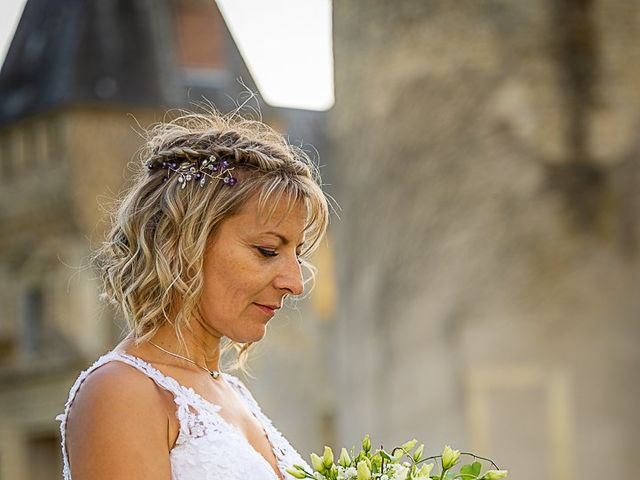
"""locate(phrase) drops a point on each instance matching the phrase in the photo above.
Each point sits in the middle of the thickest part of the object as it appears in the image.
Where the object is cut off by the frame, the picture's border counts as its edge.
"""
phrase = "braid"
(230, 145)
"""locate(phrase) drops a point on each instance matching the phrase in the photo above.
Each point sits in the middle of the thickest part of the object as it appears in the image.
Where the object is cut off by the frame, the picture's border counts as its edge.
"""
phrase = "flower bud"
(366, 443)
(363, 471)
(398, 453)
(317, 463)
(376, 463)
(344, 459)
(367, 460)
(495, 474)
(294, 472)
(424, 471)
(327, 458)
(449, 457)
(417, 455)
(409, 445)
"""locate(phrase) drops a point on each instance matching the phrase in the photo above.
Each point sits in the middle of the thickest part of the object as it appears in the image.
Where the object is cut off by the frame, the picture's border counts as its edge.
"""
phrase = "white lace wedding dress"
(208, 447)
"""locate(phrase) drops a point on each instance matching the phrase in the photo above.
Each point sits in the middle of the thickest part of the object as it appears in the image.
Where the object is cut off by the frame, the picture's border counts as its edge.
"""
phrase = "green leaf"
(471, 469)
(385, 455)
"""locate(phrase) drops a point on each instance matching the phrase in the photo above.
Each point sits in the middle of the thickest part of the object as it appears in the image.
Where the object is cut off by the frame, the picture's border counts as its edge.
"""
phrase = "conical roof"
(78, 50)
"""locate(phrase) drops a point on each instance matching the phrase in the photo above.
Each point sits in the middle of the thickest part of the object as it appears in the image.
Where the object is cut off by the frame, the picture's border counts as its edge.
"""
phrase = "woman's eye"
(267, 252)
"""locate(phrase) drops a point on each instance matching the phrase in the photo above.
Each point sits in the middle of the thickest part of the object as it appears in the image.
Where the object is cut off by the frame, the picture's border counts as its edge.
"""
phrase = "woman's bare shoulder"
(117, 426)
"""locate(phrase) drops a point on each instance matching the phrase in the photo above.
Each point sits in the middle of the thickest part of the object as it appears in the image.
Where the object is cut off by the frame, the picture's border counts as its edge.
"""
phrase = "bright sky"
(286, 44)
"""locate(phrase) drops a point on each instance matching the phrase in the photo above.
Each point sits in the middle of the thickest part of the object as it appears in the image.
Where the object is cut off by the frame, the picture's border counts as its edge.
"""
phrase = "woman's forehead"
(283, 214)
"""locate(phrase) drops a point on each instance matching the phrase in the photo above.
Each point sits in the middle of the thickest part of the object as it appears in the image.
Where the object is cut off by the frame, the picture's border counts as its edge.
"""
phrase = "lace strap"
(163, 381)
(62, 418)
(183, 396)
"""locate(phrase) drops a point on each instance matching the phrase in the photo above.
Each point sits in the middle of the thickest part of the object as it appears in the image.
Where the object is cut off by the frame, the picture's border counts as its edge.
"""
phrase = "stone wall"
(54, 199)
(485, 161)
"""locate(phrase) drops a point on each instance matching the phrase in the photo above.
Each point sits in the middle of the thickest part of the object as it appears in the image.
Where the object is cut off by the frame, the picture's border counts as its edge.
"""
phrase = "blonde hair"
(151, 263)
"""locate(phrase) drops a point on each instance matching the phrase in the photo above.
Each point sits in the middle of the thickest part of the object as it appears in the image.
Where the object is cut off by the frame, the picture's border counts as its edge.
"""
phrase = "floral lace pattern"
(207, 447)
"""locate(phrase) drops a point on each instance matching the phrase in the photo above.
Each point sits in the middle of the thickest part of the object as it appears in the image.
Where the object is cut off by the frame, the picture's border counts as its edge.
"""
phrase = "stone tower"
(487, 166)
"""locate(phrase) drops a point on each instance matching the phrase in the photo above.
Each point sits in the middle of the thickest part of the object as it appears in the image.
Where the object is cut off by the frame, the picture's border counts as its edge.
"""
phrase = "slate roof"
(115, 51)
(80, 50)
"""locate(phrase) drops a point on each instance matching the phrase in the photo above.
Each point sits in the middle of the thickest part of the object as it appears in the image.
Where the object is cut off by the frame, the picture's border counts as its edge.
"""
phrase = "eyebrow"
(283, 239)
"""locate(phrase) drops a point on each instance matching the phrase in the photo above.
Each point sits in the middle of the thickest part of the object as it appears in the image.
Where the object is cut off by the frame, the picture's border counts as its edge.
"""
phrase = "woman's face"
(251, 264)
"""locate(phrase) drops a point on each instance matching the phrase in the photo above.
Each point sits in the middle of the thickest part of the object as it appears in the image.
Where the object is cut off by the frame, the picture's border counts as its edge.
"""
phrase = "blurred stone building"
(77, 81)
(489, 178)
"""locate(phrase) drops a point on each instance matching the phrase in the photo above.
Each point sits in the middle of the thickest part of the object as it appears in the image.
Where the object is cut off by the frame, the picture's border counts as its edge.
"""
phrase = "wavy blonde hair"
(151, 263)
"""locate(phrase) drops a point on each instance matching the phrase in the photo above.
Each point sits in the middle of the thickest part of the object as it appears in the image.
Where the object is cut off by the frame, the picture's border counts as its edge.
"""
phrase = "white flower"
(350, 472)
(395, 471)
(319, 476)
(400, 472)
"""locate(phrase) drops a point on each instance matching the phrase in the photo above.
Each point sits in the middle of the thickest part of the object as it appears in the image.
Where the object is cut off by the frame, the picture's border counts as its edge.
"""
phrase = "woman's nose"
(290, 278)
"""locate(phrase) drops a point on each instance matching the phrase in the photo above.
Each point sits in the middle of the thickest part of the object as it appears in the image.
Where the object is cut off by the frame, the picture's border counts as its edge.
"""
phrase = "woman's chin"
(255, 335)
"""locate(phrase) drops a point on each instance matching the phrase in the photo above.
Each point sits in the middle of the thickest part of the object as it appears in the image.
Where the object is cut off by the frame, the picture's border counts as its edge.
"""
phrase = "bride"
(204, 248)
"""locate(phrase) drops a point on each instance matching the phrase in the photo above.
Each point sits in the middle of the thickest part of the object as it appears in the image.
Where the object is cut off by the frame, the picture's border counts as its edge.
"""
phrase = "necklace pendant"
(215, 374)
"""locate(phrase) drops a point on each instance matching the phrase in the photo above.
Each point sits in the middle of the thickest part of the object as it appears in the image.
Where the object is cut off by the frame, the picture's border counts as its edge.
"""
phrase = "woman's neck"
(201, 347)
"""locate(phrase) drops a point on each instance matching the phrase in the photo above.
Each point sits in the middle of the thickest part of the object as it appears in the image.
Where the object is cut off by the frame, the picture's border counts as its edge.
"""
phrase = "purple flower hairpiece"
(209, 168)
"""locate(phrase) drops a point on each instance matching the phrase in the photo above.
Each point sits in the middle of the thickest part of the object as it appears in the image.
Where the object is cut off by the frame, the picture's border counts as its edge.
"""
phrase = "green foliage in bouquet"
(403, 463)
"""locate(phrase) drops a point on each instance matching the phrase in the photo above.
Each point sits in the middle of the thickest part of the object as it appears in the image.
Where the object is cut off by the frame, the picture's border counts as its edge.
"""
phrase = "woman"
(204, 249)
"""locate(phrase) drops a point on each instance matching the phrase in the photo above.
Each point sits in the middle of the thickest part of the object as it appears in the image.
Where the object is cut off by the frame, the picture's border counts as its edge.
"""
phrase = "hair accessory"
(191, 169)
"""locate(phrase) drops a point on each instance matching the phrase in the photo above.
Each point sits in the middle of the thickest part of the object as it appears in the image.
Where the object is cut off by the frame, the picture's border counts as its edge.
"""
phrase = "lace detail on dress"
(207, 447)
(286, 455)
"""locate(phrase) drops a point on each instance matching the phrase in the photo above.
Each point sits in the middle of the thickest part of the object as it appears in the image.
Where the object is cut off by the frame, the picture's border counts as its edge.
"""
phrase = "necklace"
(215, 374)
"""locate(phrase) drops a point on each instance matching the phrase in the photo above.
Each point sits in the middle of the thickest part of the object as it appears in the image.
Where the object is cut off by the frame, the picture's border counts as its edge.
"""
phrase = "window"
(32, 323)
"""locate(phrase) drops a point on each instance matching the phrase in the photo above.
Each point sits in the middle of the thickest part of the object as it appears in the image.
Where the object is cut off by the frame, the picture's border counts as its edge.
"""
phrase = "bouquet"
(402, 463)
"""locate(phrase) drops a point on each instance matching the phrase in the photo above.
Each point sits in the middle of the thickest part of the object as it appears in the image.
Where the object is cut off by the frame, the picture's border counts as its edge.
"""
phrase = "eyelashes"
(266, 252)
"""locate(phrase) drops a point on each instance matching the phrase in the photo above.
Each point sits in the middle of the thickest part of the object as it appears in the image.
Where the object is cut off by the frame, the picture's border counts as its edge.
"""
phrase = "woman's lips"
(266, 309)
